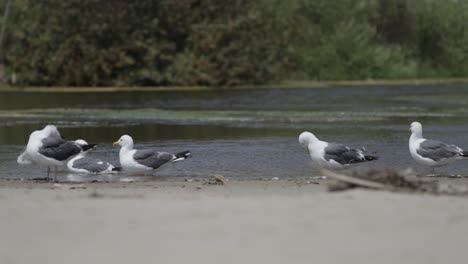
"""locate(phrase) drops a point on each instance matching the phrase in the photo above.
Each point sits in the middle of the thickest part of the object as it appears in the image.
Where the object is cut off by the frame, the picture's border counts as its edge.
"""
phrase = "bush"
(207, 42)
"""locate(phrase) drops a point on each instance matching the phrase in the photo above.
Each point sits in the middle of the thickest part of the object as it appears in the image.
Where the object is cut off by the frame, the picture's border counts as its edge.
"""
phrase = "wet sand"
(277, 221)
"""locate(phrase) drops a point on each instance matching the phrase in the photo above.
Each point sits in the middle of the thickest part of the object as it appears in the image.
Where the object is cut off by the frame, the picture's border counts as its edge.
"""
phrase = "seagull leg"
(48, 172)
(55, 173)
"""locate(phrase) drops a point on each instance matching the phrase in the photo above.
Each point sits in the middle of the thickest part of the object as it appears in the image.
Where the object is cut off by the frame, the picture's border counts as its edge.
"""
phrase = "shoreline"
(281, 85)
(205, 183)
(245, 185)
(274, 221)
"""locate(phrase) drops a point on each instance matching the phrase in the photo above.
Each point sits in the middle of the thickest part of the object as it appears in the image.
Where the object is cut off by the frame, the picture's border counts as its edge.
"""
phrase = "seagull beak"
(116, 143)
(308, 151)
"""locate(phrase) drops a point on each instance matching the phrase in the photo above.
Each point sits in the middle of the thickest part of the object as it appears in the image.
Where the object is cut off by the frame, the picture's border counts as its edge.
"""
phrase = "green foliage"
(222, 43)
(231, 49)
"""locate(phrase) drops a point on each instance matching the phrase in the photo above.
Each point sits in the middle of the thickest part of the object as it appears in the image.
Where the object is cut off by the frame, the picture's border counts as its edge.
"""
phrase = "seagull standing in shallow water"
(140, 161)
(331, 155)
(47, 147)
(431, 152)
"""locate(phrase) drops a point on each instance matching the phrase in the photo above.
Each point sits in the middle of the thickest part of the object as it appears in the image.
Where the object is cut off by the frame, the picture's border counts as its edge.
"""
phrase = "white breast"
(317, 154)
(413, 146)
(128, 163)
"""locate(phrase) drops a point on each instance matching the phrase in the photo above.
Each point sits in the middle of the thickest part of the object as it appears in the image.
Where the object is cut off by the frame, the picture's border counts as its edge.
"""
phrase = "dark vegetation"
(222, 43)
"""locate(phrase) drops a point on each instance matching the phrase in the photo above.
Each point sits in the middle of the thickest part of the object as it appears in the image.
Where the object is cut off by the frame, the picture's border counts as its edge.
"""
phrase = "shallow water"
(241, 133)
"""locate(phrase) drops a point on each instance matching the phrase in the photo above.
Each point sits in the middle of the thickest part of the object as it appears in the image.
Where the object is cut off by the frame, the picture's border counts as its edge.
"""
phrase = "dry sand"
(242, 222)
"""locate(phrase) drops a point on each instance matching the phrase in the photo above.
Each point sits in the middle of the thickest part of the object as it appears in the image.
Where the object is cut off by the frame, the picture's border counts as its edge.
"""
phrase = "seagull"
(331, 155)
(83, 164)
(431, 152)
(47, 147)
(138, 161)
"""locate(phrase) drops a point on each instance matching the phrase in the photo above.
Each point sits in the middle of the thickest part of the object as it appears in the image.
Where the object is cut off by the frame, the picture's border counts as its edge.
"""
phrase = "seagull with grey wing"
(331, 155)
(81, 163)
(431, 152)
(47, 147)
(141, 161)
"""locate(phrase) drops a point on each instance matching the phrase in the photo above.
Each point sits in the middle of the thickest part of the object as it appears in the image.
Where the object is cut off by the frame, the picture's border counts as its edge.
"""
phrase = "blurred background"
(206, 42)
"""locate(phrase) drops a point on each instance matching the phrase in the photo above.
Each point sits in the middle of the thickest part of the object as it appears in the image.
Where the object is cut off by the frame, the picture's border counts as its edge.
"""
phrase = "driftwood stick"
(355, 181)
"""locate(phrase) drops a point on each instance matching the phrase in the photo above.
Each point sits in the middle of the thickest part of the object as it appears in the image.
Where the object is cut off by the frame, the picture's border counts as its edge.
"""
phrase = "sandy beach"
(250, 221)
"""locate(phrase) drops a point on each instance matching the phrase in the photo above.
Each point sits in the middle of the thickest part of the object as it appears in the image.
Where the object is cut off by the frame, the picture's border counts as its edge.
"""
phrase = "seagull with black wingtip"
(47, 147)
(331, 155)
(432, 153)
(141, 161)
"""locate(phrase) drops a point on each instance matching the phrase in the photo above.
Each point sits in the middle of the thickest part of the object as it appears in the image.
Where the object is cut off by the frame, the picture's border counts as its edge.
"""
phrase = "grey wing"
(91, 164)
(437, 150)
(343, 154)
(59, 149)
(152, 159)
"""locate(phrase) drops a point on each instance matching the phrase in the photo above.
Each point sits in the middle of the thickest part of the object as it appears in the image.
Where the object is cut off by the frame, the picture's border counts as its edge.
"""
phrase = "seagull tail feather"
(182, 155)
(117, 169)
(87, 147)
(465, 154)
(371, 158)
